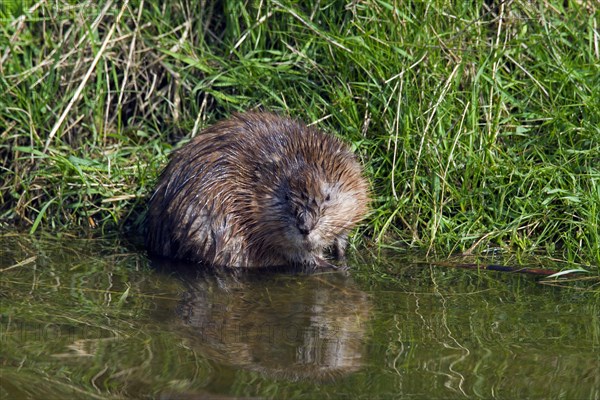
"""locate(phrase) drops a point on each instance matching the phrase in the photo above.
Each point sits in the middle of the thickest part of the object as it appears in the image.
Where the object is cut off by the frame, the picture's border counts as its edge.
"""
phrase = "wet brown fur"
(257, 190)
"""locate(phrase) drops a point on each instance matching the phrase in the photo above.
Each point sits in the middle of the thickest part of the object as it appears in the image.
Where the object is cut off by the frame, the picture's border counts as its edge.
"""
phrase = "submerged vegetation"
(478, 122)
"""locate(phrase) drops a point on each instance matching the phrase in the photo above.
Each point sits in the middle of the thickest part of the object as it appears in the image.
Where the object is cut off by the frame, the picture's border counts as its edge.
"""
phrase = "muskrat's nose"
(303, 230)
(305, 223)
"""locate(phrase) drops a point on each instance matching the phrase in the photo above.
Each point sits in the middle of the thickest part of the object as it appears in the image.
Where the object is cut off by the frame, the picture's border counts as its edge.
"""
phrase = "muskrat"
(257, 190)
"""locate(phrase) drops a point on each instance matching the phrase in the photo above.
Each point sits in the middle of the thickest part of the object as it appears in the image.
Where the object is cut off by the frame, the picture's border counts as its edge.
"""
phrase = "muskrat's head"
(310, 209)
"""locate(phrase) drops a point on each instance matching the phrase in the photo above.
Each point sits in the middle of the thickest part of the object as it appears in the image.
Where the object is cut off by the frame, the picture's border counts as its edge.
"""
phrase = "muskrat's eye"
(328, 197)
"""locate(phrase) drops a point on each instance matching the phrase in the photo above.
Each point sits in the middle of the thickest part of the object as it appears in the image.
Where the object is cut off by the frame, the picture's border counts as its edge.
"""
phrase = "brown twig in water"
(497, 267)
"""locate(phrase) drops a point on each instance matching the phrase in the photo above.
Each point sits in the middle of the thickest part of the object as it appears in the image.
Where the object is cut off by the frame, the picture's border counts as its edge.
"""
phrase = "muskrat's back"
(257, 190)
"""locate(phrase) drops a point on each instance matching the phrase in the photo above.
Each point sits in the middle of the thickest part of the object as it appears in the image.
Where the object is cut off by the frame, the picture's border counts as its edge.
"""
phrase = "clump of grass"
(478, 124)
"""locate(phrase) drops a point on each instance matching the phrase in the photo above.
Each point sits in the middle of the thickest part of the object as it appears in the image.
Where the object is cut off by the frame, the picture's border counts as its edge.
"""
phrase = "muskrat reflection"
(284, 326)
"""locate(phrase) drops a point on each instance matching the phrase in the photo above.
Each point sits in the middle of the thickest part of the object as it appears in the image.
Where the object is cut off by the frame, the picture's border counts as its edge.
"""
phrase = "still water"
(94, 319)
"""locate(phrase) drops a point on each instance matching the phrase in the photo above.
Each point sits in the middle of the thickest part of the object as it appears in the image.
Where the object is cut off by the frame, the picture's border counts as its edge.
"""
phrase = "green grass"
(479, 127)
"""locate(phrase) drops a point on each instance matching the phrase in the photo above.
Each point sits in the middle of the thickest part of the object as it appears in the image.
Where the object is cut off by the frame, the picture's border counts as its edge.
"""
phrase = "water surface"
(96, 319)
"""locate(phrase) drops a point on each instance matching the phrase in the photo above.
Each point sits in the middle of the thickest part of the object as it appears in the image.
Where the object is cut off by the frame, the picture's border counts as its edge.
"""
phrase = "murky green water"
(94, 319)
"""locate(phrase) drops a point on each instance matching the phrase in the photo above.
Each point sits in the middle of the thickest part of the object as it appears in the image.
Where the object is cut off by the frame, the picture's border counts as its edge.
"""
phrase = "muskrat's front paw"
(322, 263)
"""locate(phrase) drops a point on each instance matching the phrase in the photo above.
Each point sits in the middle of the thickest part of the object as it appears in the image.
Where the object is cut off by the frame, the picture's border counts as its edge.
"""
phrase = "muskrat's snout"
(306, 222)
